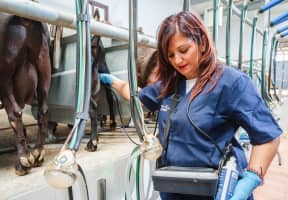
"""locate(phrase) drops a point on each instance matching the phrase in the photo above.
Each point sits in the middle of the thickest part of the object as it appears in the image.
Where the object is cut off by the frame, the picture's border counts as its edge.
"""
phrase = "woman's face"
(184, 55)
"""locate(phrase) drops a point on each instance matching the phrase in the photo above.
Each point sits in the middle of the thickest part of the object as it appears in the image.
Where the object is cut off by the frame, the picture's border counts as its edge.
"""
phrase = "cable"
(138, 178)
(135, 106)
(201, 131)
(70, 193)
(155, 128)
(120, 115)
(70, 189)
(69, 137)
(135, 153)
(84, 180)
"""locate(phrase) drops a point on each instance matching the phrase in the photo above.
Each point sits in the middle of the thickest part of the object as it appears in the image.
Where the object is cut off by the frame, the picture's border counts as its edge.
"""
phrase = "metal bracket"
(83, 17)
(101, 189)
(82, 115)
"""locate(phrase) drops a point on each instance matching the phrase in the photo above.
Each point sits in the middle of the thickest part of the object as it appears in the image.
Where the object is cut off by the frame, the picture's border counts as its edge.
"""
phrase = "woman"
(215, 98)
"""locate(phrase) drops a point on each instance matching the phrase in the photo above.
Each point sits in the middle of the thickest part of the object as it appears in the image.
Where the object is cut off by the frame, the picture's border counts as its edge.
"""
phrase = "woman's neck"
(190, 84)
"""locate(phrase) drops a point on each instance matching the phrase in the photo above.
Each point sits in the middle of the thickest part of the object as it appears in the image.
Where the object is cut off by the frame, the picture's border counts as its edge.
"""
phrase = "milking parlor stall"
(79, 171)
(93, 136)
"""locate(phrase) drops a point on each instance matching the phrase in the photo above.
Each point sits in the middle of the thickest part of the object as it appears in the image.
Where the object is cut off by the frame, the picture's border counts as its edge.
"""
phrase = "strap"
(175, 101)
(225, 157)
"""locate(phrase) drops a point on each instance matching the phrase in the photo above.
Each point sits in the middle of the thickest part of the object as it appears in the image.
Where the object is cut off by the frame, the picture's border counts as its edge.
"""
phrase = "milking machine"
(150, 147)
(64, 170)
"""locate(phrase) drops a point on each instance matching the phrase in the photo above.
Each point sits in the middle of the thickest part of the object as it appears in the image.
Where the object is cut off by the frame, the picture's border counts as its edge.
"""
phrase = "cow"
(25, 75)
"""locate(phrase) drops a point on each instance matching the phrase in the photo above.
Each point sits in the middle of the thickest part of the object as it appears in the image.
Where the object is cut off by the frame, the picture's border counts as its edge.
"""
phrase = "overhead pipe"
(135, 105)
(252, 47)
(282, 35)
(228, 33)
(274, 69)
(282, 74)
(273, 54)
(267, 88)
(264, 42)
(40, 12)
(216, 5)
(186, 5)
(280, 19)
(237, 12)
(269, 5)
(242, 24)
(273, 42)
(263, 67)
(282, 29)
(83, 71)
(150, 147)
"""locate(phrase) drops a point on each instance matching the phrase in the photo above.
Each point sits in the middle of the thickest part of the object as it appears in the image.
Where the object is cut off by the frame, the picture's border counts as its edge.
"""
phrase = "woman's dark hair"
(192, 27)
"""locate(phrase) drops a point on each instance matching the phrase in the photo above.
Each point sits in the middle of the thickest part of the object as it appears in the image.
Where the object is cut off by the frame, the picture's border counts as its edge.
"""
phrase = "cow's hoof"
(38, 156)
(21, 170)
(91, 147)
(113, 126)
(102, 124)
(50, 138)
(27, 160)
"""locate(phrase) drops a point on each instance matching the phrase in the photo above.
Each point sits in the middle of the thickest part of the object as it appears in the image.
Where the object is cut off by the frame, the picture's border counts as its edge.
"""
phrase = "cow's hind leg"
(110, 101)
(25, 160)
(92, 143)
(43, 67)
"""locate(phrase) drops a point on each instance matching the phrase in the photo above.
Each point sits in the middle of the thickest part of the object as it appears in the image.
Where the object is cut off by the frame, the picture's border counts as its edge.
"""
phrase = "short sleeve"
(251, 113)
(149, 96)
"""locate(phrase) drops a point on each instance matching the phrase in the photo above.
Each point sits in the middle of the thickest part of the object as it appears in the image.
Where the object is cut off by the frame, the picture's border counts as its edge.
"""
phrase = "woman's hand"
(106, 78)
(119, 85)
(246, 185)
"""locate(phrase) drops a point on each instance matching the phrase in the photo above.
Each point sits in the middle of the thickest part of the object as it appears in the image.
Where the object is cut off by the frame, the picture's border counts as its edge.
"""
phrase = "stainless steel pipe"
(39, 12)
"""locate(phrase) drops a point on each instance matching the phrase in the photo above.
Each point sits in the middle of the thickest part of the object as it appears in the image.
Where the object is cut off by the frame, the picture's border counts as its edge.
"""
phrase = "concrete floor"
(117, 144)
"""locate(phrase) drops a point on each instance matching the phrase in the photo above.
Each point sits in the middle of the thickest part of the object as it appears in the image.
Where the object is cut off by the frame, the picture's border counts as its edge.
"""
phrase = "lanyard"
(174, 103)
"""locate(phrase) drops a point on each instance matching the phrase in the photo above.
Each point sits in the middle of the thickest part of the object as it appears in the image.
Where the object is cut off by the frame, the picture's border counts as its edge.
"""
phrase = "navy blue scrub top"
(232, 103)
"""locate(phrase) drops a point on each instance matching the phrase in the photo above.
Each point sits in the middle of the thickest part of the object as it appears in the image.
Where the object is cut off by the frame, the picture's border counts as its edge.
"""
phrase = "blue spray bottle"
(228, 179)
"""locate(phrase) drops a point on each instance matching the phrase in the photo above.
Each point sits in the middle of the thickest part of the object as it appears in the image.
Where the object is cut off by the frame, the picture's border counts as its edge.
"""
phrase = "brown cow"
(25, 75)
(146, 66)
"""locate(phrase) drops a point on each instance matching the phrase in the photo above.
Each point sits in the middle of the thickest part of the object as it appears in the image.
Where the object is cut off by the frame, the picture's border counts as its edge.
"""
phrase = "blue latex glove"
(106, 78)
(245, 186)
